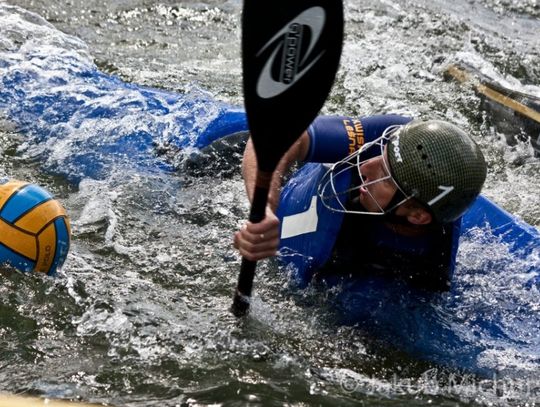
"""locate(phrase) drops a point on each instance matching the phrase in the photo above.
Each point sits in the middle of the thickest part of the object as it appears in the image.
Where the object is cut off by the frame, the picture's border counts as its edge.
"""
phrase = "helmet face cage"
(336, 200)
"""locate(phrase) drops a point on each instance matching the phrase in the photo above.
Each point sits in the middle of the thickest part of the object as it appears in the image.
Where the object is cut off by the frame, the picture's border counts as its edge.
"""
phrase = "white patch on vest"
(300, 223)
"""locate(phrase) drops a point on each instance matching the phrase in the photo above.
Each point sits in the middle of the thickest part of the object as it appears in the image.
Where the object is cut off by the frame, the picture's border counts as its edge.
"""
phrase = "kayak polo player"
(419, 177)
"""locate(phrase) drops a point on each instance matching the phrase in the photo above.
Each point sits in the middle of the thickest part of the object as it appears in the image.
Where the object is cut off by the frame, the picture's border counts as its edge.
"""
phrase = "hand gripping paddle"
(290, 56)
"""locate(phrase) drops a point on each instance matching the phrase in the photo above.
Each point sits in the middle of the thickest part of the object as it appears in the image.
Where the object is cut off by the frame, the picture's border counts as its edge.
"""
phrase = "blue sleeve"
(335, 137)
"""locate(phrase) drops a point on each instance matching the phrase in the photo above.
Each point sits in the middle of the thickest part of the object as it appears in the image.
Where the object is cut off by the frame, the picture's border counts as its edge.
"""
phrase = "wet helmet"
(438, 164)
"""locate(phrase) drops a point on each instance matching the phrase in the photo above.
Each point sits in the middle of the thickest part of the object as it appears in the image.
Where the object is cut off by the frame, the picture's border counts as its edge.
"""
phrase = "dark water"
(139, 315)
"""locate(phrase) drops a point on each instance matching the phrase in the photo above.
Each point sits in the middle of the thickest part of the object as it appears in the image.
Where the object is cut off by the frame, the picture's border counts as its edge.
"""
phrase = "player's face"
(378, 187)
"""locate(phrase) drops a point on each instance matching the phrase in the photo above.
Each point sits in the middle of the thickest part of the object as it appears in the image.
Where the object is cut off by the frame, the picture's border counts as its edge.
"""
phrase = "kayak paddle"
(290, 56)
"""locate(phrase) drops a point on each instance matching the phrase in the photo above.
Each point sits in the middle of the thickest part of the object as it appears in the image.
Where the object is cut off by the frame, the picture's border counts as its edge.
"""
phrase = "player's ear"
(419, 216)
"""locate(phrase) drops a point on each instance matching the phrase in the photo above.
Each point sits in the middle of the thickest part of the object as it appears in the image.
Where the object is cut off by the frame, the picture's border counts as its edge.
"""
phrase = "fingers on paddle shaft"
(242, 295)
(290, 56)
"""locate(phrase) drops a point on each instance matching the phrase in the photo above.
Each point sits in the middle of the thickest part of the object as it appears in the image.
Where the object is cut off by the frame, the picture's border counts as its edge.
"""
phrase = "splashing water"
(139, 315)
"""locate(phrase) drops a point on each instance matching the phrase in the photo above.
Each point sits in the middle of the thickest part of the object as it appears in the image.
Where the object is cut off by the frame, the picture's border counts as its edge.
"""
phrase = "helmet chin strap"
(390, 214)
(397, 200)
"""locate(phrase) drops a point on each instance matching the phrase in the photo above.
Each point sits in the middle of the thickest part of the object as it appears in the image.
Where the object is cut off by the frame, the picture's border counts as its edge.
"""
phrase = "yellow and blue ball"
(34, 228)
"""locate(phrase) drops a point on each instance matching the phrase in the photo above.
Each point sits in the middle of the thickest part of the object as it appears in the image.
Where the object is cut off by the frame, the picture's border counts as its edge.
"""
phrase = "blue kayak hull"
(487, 322)
(80, 122)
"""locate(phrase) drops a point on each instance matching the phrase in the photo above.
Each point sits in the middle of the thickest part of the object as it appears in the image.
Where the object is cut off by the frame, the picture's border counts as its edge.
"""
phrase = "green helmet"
(438, 164)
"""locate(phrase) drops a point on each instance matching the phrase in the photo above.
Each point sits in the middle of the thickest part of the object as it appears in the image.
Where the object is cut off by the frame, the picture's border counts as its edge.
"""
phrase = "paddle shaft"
(247, 270)
(490, 91)
(290, 56)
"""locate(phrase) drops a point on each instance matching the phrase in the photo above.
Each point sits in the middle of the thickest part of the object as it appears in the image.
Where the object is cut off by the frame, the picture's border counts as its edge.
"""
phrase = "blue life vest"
(308, 229)
(309, 232)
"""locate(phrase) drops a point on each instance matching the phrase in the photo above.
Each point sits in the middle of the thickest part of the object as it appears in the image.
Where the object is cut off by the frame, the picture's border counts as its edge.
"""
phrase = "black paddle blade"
(290, 56)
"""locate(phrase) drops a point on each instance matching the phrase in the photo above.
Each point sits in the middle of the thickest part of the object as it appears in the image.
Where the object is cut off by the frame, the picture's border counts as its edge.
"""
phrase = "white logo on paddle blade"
(291, 69)
(445, 191)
